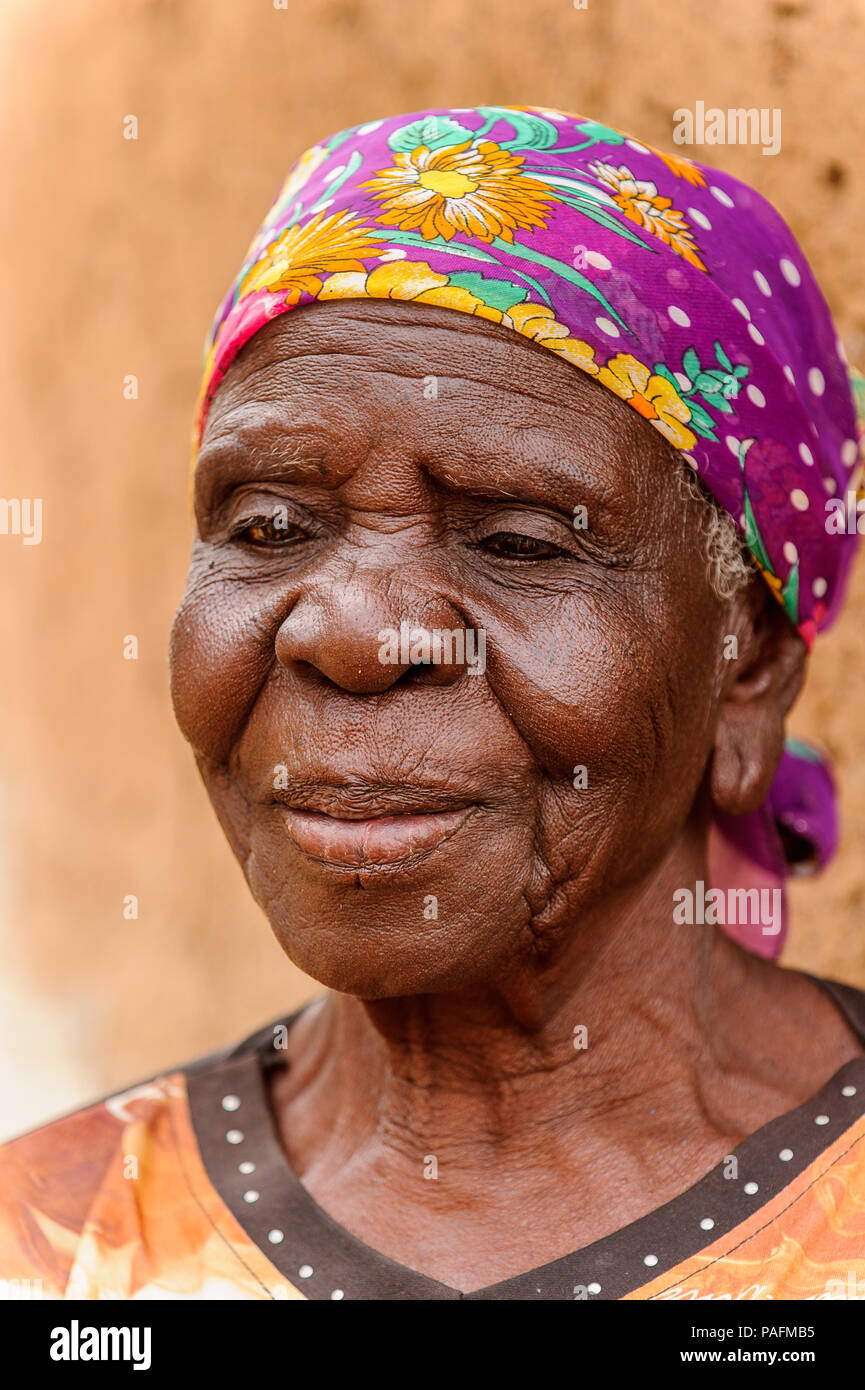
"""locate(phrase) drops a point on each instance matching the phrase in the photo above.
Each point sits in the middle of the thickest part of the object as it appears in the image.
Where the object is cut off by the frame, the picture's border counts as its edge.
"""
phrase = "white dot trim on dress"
(650, 1260)
(785, 1155)
(678, 316)
(848, 1090)
(594, 1287)
(805, 454)
(231, 1102)
(707, 1223)
(723, 198)
(790, 272)
(235, 1136)
(700, 218)
(276, 1237)
(821, 1119)
(306, 1271)
(251, 1195)
(751, 1188)
(755, 333)
(608, 327)
(337, 1294)
(246, 1167)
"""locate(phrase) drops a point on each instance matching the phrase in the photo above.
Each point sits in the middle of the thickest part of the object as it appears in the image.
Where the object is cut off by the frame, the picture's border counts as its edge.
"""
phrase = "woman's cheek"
(219, 658)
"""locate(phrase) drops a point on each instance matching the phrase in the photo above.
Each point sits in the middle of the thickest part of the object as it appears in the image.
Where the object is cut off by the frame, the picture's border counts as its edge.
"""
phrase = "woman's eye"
(266, 532)
(513, 546)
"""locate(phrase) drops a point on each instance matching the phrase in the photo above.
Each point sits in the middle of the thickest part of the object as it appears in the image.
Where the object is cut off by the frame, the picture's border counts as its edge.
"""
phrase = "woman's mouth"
(384, 839)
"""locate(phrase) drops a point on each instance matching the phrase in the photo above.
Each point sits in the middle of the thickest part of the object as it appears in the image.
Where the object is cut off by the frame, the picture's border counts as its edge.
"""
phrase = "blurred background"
(115, 253)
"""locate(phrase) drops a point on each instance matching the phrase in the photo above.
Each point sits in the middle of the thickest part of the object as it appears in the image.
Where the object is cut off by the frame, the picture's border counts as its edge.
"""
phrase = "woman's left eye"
(511, 545)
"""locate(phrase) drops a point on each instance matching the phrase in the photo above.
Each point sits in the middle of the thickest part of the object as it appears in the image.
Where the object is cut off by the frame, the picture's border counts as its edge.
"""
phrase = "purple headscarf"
(677, 287)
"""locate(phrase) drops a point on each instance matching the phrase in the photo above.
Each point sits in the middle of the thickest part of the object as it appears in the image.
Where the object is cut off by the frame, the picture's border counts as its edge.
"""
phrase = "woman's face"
(368, 465)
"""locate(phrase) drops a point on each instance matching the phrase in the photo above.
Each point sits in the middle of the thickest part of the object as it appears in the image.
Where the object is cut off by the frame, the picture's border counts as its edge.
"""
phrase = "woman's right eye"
(267, 532)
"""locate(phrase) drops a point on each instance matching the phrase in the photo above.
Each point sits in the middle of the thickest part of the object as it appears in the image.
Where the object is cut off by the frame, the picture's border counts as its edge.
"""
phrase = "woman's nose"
(365, 641)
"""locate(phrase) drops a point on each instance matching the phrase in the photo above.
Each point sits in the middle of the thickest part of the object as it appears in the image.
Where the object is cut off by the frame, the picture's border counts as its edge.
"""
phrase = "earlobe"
(760, 691)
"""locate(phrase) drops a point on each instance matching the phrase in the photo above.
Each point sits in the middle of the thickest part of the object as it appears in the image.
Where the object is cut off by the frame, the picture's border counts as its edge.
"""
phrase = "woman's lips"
(384, 839)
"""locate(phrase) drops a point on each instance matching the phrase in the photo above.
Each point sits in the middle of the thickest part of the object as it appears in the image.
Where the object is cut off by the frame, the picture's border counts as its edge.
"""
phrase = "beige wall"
(114, 256)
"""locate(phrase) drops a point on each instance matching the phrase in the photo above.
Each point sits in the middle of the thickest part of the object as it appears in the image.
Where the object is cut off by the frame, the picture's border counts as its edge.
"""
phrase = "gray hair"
(729, 563)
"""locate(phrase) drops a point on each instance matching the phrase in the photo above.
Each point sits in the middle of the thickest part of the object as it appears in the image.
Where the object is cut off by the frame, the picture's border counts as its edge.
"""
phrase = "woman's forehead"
(316, 396)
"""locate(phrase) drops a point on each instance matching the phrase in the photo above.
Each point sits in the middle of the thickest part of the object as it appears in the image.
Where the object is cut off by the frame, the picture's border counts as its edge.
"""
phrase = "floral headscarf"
(675, 286)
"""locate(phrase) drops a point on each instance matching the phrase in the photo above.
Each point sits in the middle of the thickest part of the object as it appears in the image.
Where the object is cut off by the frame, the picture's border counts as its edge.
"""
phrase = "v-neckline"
(242, 1153)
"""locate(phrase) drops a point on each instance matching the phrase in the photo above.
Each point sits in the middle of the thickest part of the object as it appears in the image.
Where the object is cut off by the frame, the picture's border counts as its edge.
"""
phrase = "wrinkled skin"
(461, 968)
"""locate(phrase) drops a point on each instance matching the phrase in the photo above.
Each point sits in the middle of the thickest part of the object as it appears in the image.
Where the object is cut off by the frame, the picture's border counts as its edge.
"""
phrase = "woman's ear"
(764, 671)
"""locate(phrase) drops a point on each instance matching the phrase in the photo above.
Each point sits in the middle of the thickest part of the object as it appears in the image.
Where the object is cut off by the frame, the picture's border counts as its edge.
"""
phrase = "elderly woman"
(512, 540)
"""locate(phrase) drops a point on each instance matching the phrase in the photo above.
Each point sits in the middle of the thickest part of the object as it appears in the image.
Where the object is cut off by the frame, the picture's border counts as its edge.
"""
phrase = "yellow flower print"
(474, 188)
(680, 166)
(303, 254)
(640, 201)
(656, 399)
(407, 280)
(538, 322)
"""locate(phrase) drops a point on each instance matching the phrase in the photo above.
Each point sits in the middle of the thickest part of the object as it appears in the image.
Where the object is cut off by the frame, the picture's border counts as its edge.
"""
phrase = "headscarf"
(674, 285)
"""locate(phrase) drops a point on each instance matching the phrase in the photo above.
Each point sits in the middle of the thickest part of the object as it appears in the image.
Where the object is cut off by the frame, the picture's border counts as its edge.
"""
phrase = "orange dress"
(178, 1188)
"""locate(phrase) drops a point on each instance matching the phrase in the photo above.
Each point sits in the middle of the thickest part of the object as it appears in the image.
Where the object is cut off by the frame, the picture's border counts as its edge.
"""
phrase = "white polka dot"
(743, 308)
(722, 197)
(650, 1260)
(700, 218)
(848, 1090)
(755, 395)
(732, 444)
(684, 381)
(819, 587)
(594, 1287)
(635, 145)
(251, 1195)
(246, 1168)
(396, 253)
(799, 499)
(231, 1102)
(707, 1223)
(597, 260)
(368, 128)
(275, 1237)
(762, 284)
(816, 381)
(678, 315)
(751, 1188)
(306, 1271)
(791, 554)
(333, 173)
(788, 372)
(755, 333)
(830, 485)
(821, 1119)
(849, 452)
(790, 272)
(235, 1136)
(337, 1294)
(607, 327)
(805, 454)
(785, 1155)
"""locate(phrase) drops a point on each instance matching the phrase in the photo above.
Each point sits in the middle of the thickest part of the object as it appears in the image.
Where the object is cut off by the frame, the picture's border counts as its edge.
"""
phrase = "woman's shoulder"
(90, 1181)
